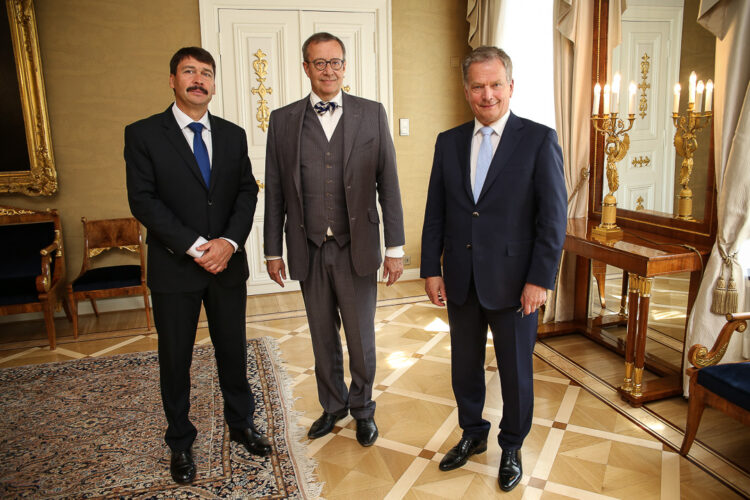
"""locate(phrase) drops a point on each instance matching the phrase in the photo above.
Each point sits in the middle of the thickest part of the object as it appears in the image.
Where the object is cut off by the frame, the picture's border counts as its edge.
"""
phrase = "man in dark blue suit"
(191, 184)
(496, 214)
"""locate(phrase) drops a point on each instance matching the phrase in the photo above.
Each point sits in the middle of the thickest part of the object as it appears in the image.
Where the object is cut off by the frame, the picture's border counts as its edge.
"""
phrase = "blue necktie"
(200, 152)
(484, 158)
(322, 107)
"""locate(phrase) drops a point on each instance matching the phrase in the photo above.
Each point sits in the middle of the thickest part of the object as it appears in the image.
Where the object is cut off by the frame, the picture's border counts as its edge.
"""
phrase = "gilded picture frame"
(40, 176)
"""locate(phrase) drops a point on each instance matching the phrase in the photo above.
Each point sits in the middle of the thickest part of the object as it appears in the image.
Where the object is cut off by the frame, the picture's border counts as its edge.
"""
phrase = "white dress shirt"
(183, 121)
(476, 140)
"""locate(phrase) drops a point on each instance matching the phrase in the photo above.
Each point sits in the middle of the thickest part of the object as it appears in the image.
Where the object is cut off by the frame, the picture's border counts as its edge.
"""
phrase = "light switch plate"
(403, 126)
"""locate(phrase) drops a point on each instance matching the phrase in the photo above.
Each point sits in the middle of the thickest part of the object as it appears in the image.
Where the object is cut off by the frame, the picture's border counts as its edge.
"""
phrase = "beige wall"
(106, 65)
(429, 40)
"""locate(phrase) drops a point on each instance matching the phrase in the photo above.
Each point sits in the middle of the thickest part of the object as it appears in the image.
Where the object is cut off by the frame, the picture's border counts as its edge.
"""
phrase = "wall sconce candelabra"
(616, 145)
(685, 141)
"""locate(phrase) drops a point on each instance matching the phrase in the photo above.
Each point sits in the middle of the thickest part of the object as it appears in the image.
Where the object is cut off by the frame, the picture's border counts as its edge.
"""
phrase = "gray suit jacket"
(369, 171)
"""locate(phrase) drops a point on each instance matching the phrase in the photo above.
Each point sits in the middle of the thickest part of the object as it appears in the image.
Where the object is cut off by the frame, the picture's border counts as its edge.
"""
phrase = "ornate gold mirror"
(28, 165)
(661, 44)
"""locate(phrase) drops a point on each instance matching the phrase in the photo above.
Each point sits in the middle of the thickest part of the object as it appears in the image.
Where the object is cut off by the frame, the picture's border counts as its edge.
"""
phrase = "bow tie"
(322, 107)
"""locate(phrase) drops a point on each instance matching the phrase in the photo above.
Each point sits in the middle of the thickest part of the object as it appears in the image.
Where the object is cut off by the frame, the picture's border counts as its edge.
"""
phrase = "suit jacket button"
(475, 214)
(210, 202)
(468, 246)
(302, 226)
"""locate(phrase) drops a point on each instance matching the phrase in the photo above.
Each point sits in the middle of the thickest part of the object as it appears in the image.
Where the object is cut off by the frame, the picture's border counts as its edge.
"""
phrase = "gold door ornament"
(643, 86)
(260, 65)
(641, 161)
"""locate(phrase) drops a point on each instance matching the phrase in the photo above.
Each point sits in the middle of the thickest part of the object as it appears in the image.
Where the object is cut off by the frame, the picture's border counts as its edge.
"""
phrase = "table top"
(640, 252)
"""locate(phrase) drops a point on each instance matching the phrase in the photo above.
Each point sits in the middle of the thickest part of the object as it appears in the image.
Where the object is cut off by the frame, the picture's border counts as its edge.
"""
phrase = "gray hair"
(487, 53)
(322, 37)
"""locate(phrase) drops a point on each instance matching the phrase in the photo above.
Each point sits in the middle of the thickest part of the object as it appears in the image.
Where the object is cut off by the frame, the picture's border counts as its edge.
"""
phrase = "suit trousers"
(513, 337)
(333, 293)
(176, 319)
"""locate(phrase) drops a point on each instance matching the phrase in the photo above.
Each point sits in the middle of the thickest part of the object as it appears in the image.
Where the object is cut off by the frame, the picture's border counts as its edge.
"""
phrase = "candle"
(597, 97)
(616, 93)
(709, 94)
(631, 98)
(699, 98)
(691, 88)
(606, 99)
(676, 107)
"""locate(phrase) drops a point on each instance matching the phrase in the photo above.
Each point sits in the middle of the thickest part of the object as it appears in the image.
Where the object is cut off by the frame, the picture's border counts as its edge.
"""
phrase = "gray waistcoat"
(322, 175)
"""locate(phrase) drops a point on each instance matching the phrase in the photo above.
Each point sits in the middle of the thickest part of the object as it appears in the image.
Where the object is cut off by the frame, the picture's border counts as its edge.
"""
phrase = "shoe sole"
(454, 467)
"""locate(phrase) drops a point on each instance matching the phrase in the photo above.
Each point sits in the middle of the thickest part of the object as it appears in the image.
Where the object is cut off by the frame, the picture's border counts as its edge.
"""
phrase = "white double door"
(260, 69)
(649, 55)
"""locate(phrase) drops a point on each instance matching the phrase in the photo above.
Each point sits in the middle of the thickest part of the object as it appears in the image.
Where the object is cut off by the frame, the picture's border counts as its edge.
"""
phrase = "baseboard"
(128, 303)
(84, 307)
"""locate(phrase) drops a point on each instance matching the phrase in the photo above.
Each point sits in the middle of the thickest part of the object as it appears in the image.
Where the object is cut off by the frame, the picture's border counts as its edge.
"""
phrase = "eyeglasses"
(320, 64)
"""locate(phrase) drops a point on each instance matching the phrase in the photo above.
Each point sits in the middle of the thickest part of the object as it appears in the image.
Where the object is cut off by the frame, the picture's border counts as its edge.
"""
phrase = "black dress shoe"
(182, 466)
(459, 454)
(255, 443)
(323, 425)
(367, 431)
(510, 469)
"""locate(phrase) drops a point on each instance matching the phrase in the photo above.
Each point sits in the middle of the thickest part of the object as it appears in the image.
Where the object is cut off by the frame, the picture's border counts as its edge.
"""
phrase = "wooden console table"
(641, 256)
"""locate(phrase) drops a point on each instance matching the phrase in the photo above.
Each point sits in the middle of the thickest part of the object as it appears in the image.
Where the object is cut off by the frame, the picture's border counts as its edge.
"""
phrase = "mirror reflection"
(661, 45)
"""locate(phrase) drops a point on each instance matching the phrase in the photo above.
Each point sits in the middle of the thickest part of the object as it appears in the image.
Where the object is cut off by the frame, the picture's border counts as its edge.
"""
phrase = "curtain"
(729, 20)
(572, 45)
(484, 18)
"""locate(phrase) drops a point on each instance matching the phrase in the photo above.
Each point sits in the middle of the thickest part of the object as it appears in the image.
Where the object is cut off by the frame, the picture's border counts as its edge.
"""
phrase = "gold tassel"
(720, 295)
(732, 298)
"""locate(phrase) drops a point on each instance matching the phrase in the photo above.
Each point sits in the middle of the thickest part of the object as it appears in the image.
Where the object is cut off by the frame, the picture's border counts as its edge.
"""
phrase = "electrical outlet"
(407, 260)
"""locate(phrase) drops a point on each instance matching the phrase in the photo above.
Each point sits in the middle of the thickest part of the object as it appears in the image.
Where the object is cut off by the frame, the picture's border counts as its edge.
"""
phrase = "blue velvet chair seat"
(730, 381)
(108, 277)
(18, 290)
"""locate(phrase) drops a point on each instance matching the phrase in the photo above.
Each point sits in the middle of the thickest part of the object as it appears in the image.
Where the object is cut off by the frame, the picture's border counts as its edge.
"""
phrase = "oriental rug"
(93, 428)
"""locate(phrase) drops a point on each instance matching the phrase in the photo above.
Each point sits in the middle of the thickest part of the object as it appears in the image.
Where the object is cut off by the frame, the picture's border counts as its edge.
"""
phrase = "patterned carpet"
(94, 427)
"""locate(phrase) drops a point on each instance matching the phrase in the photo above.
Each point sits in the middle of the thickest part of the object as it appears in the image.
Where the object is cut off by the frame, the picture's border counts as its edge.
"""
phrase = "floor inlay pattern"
(584, 442)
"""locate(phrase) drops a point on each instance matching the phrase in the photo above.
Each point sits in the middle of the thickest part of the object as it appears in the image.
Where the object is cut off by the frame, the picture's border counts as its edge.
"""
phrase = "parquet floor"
(579, 445)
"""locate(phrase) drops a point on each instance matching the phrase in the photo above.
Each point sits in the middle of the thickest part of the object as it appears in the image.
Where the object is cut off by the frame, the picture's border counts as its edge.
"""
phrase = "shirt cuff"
(273, 257)
(395, 252)
(193, 252)
(231, 242)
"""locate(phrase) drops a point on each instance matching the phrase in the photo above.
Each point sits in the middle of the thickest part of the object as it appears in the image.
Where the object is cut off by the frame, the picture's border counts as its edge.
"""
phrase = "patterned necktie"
(322, 107)
(200, 152)
(484, 158)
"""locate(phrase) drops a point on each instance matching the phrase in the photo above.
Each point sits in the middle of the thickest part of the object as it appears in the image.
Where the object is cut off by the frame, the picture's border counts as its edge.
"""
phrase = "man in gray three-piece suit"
(328, 157)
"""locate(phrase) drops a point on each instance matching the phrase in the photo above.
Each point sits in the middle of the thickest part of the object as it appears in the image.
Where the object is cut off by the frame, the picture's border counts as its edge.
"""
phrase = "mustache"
(197, 87)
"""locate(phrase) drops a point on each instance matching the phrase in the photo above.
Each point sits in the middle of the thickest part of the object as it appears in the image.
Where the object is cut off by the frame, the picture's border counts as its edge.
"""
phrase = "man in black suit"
(496, 214)
(191, 185)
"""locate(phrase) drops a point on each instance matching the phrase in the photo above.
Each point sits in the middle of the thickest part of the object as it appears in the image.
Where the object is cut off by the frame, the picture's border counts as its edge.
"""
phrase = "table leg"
(644, 297)
(624, 293)
(633, 278)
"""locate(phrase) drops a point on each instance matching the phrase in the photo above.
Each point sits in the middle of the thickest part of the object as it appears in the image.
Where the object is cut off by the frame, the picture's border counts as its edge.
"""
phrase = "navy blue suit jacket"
(514, 234)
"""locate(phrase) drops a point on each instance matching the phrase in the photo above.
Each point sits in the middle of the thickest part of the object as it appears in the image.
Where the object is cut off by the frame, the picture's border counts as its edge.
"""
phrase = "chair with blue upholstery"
(725, 387)
(109, 281)
(32, 267)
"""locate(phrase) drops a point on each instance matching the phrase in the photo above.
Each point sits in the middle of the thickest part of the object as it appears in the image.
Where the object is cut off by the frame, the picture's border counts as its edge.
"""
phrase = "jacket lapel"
(351, 121)
(217, 151)
(177, 138)
(508, 142)
(463, 149)
(293, 133)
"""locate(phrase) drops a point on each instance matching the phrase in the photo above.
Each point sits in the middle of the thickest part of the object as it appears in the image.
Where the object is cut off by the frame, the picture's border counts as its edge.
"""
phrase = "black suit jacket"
(168, 196)
(369, 175)
(514, 234)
